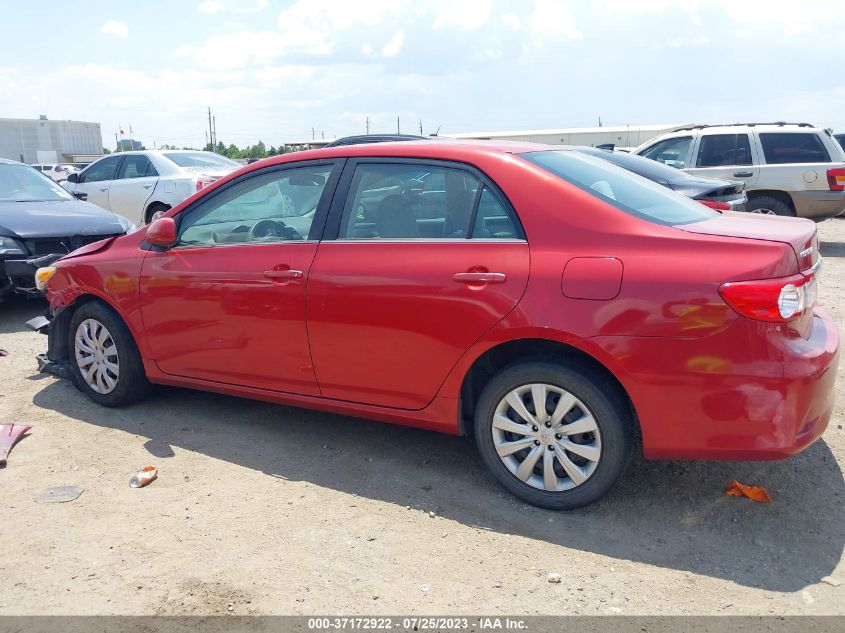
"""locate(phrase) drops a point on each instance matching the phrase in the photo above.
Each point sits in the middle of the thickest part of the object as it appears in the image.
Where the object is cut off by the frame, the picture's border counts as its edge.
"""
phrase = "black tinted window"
(786, 147)
(717, 150)
(622, 189)
(102, 170)
(135, 167)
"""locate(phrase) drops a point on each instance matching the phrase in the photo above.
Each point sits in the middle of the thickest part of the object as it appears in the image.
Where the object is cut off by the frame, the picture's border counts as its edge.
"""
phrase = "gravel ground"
(263, 509)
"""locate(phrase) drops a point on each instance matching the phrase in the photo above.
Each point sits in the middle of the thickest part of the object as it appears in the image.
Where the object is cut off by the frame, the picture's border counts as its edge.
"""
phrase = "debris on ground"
(554, 578)
(3, 353)
(59, 494)
(830, 580)
(143, 477)
(757, 493)
(9, 435)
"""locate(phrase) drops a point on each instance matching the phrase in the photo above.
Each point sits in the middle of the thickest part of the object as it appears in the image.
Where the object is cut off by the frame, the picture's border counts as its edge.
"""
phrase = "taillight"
(715, 204)
(774, 300)
(836, 179)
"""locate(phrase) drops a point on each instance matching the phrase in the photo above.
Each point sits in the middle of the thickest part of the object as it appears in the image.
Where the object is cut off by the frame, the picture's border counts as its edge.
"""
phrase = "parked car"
(144, 184)
(56, 172)
(789, 168)
(40, 222)
(841, 139)
(723, 195)
(544, 301)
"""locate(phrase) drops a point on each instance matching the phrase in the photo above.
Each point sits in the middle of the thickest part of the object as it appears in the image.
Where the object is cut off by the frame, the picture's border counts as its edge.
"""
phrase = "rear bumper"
(818, 205)
(752, 395)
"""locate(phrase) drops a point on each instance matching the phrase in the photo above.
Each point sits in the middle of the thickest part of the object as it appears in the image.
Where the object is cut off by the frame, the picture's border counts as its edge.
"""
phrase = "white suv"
(788, 168)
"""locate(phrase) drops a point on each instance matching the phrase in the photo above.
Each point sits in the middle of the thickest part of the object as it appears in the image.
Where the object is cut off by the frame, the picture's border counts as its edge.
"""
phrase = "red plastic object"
(9, 435)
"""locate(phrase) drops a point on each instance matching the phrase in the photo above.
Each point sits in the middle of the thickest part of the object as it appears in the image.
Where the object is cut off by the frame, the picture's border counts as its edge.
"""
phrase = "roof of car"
(779, 126)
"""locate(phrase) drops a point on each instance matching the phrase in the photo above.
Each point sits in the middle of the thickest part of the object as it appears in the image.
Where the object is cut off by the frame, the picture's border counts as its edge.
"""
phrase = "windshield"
(645, 167)
(201, 159)
(21, 183)
(623, 189)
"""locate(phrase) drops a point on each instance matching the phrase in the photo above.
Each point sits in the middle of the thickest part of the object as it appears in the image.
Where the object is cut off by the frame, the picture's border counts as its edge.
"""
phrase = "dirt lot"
(262, 509)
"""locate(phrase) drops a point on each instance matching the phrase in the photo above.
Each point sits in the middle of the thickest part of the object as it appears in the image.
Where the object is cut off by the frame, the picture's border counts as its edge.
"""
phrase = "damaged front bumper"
(55, 361)
(18, 275)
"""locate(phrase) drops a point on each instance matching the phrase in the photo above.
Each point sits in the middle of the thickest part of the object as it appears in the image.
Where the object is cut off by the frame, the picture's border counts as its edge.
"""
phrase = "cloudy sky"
(273, 69)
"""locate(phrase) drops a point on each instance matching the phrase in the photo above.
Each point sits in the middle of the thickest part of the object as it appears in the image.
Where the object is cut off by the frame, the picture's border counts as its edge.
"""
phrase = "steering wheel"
(272, 228)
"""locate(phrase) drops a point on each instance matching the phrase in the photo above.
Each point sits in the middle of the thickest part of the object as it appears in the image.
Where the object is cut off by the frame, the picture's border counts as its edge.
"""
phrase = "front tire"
(565, 454)
(104, 359)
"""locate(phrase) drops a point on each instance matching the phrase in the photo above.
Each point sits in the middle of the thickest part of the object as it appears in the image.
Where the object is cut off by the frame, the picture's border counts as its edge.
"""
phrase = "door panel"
(726, 156)
(97, 180)
(212, 313)
(387, 320)
(135, 183)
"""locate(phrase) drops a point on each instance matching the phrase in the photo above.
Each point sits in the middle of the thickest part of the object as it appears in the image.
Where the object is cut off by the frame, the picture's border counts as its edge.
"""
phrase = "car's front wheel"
(554, 434)
(104, 359)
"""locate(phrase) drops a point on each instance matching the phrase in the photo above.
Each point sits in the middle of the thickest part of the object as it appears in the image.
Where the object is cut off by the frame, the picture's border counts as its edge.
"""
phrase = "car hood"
(56, 218)
(698, 187)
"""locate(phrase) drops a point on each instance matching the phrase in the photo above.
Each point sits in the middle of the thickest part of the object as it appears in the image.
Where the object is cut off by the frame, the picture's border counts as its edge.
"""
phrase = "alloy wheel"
(96, 356)
(546, 437)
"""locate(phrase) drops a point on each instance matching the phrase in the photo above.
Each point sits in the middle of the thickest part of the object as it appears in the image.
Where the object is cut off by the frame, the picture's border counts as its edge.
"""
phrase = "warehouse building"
(618, 135)
(45, 141)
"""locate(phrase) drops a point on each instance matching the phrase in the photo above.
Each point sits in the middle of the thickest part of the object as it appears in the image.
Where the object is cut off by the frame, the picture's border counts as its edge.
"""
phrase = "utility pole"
(313, 134)
(397, 126)
(323, 135)
(116, 144)
(368, 125)
(599, 121)
(421, 132)
(215, 131)
(210, 133)
(206, 138)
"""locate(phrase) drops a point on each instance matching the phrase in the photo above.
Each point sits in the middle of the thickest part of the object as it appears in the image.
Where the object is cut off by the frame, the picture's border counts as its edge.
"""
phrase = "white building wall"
(23, 139)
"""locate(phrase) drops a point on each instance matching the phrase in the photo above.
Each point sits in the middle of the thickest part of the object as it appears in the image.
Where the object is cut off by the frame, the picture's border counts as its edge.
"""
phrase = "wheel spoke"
(86, 335)
(84, 361)
(527, 466)
(504, 423)
(102, 336)
(575, 473)
(516, 403)
(539, 393)
(110, 366)
(509, 448)
(584, 424)
(564, 406)
(584, 450)
(109, 381)
(83, 345)
(101, 385)
(110, 351)
(549, 476)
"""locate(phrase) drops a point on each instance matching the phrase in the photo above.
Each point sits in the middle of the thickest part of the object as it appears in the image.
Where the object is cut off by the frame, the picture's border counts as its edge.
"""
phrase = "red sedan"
(546, 302)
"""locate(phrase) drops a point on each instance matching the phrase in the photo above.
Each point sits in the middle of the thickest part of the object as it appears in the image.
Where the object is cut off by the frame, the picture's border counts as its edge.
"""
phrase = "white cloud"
(553, 18)
(392, 48)
(511, 20)
(231, 6)
(239, 49)
(115, 28)
(463, 14)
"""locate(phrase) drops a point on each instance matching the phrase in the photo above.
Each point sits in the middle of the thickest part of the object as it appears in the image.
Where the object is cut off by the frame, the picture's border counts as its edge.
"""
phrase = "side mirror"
(161, 233)
(74, 177)
(80, 195)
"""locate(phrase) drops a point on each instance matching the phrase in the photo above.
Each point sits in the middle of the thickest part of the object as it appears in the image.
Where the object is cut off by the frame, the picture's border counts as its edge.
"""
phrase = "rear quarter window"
(620, 188)
(780, 148)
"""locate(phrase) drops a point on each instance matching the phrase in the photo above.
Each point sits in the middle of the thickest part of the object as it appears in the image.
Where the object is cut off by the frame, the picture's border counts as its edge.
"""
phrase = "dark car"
(40, 222)
(723, 195)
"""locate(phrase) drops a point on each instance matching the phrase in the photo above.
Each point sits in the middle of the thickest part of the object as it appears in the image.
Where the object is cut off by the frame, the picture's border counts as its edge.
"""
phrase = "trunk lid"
(798, 233)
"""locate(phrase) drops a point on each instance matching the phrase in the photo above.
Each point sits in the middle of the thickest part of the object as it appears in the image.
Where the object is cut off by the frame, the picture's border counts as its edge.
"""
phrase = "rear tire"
(155, 211)
(554, 461)
(104, 359)
(768, 205)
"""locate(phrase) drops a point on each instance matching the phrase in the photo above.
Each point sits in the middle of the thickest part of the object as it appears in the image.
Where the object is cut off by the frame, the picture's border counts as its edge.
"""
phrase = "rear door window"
(136, 166)
(672, 151)
(781, 148)
(718, 150)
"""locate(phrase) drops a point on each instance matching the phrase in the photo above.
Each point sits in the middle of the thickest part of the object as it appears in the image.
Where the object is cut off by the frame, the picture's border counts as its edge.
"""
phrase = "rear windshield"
(624, 190)
(793, 147)
(201, 159)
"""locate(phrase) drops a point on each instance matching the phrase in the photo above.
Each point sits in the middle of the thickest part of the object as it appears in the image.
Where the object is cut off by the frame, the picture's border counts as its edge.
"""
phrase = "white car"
(143, 185)
(787, 168)
(56, 172)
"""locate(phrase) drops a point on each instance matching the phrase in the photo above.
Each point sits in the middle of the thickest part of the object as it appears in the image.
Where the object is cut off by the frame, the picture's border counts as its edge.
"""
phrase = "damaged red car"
(554, 307)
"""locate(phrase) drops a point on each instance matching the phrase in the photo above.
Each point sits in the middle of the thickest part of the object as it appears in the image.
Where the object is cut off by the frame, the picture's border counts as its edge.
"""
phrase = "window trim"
(335, 217)
(317, 224)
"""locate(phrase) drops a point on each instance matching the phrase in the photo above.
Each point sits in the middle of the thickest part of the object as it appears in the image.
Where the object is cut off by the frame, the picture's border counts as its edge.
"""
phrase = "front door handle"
(283, 274)
(480, 278)
(104, 188)
(147, 186)
(743, 174)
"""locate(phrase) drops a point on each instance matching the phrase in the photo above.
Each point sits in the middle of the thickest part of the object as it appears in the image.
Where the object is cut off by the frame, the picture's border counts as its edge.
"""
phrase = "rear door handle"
(743, 174)
(480, 278)
(283, 274)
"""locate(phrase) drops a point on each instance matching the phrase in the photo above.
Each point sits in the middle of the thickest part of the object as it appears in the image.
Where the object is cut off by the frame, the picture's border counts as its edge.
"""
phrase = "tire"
(595, 395)
(153, 209)
(95, 328)
(770, 206)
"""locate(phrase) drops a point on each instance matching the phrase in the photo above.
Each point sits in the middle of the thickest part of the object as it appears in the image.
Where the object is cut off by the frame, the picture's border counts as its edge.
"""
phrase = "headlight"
(43, 275)
(8, 246)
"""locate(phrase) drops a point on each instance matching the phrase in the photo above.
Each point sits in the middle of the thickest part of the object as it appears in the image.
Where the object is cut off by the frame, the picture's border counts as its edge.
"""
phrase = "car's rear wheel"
(155, 211)
(554, 434)
(767, 205)
(104, 359)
